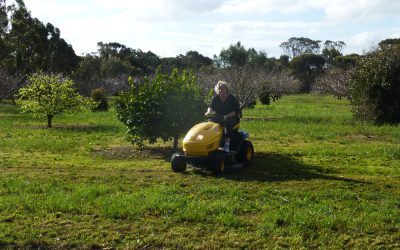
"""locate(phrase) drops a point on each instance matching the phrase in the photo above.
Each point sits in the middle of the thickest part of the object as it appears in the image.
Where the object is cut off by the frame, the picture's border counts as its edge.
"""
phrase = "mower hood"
(202, 139)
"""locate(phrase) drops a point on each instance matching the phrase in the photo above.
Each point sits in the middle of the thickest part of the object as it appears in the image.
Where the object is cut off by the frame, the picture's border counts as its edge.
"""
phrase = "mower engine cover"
(202, 139)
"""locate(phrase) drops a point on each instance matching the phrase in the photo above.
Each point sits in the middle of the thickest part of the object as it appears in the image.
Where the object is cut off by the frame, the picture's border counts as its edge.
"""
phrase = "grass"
(318, 180)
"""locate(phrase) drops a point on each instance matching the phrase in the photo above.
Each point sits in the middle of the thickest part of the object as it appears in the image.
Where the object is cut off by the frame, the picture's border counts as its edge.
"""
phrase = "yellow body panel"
(202, 139)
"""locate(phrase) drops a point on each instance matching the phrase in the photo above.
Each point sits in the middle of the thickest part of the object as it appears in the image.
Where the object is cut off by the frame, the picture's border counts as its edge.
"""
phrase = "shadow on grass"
(278, 168)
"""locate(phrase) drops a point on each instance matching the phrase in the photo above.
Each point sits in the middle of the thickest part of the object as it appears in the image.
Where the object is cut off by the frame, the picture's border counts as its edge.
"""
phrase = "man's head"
(221, 86)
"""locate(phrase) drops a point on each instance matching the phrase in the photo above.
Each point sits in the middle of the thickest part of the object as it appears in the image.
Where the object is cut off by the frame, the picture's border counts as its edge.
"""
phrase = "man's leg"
(229, 124)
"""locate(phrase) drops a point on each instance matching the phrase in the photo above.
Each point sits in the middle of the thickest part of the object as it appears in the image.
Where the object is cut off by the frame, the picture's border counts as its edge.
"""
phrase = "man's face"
(223, 92)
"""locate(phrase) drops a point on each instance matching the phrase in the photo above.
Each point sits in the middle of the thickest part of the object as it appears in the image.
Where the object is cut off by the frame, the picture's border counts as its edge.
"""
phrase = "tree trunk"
(176, 138)
(49, 117)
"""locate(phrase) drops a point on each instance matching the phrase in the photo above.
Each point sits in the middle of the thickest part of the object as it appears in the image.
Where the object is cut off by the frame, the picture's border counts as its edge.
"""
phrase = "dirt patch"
(129, 152)
(363, 137)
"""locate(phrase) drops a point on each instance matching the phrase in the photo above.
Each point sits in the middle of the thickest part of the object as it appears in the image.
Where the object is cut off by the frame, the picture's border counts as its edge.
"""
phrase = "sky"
(172, 27)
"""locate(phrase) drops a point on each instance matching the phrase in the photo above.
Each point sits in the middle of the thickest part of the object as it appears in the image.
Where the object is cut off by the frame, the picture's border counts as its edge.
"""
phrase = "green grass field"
(318, 180)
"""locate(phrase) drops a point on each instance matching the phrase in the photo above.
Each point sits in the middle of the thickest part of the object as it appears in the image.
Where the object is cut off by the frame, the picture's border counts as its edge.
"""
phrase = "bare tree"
(335, 81)
(245, 83)
(9, 85)
(111, 85)
(281, 83)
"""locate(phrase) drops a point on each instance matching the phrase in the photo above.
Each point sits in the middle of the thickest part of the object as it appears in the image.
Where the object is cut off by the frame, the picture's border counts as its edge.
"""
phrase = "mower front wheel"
(178, 164)
(218, 164)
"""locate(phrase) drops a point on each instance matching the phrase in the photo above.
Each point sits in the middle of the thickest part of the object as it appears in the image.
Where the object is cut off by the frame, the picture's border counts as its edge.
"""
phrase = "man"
(226, 105)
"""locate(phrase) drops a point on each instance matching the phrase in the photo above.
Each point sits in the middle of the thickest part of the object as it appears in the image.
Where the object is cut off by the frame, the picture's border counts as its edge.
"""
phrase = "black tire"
(246, 153)
(218, 164)
(178, 164)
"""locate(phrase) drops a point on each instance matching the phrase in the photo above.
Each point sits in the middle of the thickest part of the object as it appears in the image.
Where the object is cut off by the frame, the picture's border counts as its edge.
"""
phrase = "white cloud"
(262, 27)
(362, 42)
(260, 6)
(360, 10)
(171, 27)
(338, 11)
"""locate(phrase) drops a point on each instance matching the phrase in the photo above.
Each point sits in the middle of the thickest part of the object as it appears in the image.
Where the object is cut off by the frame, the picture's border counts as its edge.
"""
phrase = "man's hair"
(221, 84)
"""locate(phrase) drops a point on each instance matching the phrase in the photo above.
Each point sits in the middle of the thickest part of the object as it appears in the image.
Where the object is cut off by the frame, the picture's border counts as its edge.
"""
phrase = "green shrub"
(375, 86)
(99, 95)
(164, 106)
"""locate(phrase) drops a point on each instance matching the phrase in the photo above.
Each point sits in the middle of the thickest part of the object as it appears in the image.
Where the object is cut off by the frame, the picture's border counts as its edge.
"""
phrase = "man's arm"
(231, 114)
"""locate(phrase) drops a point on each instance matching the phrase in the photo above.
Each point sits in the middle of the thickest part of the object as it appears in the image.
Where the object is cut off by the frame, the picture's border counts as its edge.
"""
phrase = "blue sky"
(172, 27)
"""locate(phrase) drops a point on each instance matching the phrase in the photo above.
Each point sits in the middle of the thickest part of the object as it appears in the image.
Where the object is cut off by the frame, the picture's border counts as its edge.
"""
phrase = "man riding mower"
(217, 143)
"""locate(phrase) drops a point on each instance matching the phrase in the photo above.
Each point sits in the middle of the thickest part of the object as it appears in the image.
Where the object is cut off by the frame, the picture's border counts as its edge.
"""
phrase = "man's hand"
(211, 113)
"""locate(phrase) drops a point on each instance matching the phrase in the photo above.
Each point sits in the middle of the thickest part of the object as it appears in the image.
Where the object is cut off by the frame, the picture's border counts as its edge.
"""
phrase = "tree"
(194, 60)
(88, 73)
(297, 46)
(336, 45)
(163, 107)
(346, 62)
(3, 31)
(245, 83)
(235, 56)
(113, 66)
(99, 96)
(168, 64)
(375, 86)
(331, 50)
(284, 61)
(113, 49)
(334, 81)
(49, 95)
(147, 61)
(306, 68)
(281, 83)
(28, 39)
(247, 72)
(9, 85)
(32, 46)
(389, 41)
(3, 18)
(61, 57)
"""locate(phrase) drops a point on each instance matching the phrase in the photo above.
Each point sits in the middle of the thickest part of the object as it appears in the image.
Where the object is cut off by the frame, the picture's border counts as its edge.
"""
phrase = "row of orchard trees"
(166, 104)
(28, 45)
(371, 81)
(251, 74)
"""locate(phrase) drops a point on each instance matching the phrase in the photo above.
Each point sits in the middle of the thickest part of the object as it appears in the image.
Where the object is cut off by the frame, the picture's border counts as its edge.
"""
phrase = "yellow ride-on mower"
(203, 147)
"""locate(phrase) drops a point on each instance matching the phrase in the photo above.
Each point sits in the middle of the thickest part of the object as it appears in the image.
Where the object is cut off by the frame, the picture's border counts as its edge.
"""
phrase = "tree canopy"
(297, 46)
(50, 94)
(163, 106)
(29, 45)
(306, 68)
(375, 86)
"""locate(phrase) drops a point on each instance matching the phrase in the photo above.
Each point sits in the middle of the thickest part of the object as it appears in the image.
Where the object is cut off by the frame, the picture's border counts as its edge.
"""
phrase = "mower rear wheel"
(246, 153)
(178, 164)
